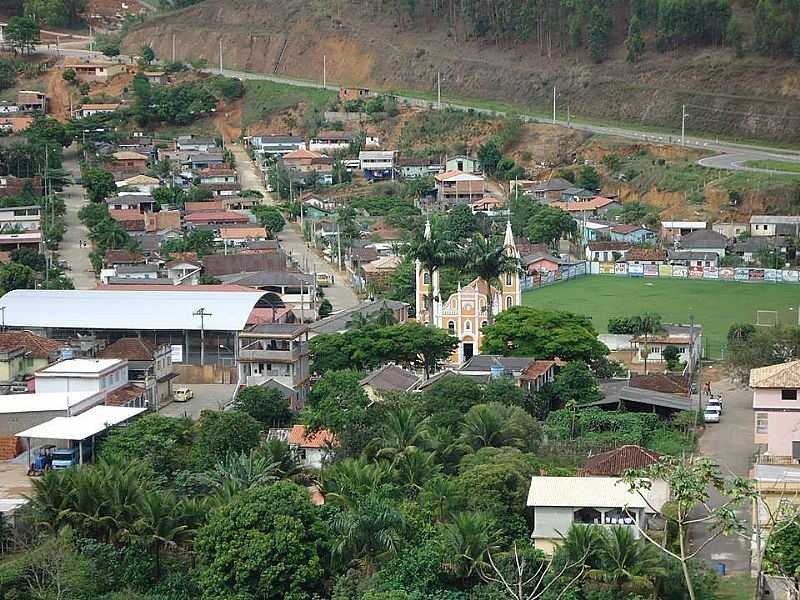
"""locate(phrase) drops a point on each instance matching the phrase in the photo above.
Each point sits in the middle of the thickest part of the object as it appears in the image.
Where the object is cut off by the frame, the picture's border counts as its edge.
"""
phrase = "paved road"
(730, 444)
(70, 250)
(736, 162)
(207, 396)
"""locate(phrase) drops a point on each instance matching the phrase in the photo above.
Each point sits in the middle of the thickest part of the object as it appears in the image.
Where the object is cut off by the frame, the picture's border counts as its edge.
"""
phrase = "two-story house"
(127, 163)
(771, 225)
(464, 164)
(603, 251)
(328, 141)
(274, 145)
(23, 353)
(26, 218)
(454, 188)
(276, 355)
(777, 408)
(673, 231)
(149, 367)
(377, 164)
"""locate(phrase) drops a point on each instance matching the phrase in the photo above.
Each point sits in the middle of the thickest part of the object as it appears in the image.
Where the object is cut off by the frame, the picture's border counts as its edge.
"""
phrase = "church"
(464, 313)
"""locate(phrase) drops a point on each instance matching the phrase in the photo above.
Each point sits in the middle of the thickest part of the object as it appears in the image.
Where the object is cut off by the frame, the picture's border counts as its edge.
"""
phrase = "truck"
(64, 458)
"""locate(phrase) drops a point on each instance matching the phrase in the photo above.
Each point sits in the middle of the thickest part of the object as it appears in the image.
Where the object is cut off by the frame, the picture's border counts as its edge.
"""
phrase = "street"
(730, 444)
(70, 250)
(339, 294)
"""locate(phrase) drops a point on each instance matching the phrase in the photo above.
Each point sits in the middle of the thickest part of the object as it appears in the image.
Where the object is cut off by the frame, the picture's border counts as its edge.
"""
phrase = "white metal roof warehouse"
(128, 309)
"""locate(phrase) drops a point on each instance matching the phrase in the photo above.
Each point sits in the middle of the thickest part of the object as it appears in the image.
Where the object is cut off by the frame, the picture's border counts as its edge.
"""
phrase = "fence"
(532, 282)
(744, 274)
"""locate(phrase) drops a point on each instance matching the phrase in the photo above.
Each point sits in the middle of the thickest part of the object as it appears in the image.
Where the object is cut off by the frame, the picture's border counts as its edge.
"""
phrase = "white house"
(312, 449)
(87, 110)
(93, 375)
(377, 164)
(603, 251)
(328, 141)
(141, 183)
(24, 217)
(770, 225)
(556, 503)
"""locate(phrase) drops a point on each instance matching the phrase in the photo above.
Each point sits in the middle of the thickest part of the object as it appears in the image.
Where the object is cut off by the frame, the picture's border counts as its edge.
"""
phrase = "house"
(592, 230)
(380, 271)
(312, 449)
(155, 77)
(114, 258)
(223, 189)
(556, 503)
(464, 164)
(87, 110)
(607, 251)
(454, 188)
(7, 107)
(414, 168)
(192, 160)
(635, 234)
(777, 409)
(377, 164)
(147, 271)
(22, 354)
(306, 161)
(184, 269)
(646, 256)
(750, 248)
(527, 373)
(149, 367)
(214, 217)
(219, 264)
(24, 218)
(576, 194)
(731, 230)
(328, 141)
(215, 205)
(540, 263)
(130, 219)
(127, 161)
(15, 241)
(770, 225)
(140, 201)
(354, 94)
(32, 101)
(14, 186)
(276, 352)
(93, 70)
(389, 378)
(274, 145)
(162, 221)
(690, 258)
(214, 175)
(615, 463)
(585, 208)
(139, 183)
(550, 191)
(297, 290)
(238, 236)
(191, 143)
(15, 123)
(673, 231)
(686, 338)
(704, 240)
(489, 206)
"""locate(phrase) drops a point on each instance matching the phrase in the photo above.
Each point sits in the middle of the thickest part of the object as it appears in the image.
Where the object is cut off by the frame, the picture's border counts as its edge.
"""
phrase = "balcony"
(273, 354)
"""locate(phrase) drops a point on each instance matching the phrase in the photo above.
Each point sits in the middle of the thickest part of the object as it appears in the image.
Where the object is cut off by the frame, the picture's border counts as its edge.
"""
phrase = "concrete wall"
(204, 374)
(782, 429)
(14, 423)
(551, 522)
(771, 398)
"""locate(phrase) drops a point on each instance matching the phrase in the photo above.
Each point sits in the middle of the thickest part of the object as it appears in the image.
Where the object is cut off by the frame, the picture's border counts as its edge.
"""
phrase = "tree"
(765, 346)
(29, 258)
(160, 526)
(549, 224)
(403, 430)
(588, 178)
(69, 75)
(222, 433)
(497, 425)
(264, 546)
(542, 334)
(16, 276)
(489, 260)
(575, 383)
(782, 552)
(647, 324)
(624, 559)
(325, 308)
(734, 36)
(56, 13)
(98, 182)
(597, 30)
(470, 538)
(634, 42)
(432, 252)
(671, 354)
(146, 55)
(460, 223)
(337, 402)
(417, 345)
(22, 33)
(691, 483)
(266, 405)
(489, 156)
(271, 218)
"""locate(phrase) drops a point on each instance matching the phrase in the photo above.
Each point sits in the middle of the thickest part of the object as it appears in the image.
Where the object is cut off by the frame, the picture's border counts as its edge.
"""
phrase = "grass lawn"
(714, 304)
(775, 165)
(265, 97)
(735, 587)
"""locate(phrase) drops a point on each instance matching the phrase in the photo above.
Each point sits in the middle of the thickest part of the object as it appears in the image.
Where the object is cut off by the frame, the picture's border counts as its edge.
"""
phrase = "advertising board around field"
(635, 270)
(665, 270)
(710, 273)
(742, 274)
(695, 272)
(680, 271)
(756, 275)
(790, 276)
(772, 275)
(651, 270)
(607, 268)
(727, 273)
(621, 268)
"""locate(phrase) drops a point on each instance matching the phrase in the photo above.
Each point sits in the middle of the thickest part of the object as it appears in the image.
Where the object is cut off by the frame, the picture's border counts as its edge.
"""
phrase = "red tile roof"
(220, 216)
(259, 316)
(578, 206)
(320, 439)
(126, 214)
(615, 462)
(121, 396)
(618, 246)
(143, 287)
(131, 348)
(39, 347)
(646, 254)
(537, 368)
(661, 382)
(204, 205)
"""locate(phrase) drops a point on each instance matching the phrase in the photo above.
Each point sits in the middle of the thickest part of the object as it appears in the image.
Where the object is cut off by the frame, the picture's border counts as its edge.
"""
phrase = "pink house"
(777, 408)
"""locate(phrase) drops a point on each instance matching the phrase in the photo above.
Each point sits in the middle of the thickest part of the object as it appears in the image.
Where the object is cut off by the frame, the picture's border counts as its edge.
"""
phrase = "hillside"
(749, 98)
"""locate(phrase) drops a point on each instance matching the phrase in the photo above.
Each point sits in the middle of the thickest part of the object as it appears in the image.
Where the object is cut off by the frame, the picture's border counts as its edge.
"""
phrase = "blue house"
(635, 234)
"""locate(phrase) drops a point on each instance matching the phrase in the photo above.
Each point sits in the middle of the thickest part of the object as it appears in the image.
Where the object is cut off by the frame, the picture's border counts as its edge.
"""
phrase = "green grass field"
(265, 97)
(774, 165)
(714, 304)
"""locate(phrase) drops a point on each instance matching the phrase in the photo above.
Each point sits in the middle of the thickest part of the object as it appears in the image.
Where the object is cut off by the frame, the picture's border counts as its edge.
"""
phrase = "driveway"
(730, 444)
(207, 396)
(70, 250)
(248, 174)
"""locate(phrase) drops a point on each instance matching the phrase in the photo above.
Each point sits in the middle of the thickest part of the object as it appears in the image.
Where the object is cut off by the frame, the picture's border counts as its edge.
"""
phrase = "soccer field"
(714, 304)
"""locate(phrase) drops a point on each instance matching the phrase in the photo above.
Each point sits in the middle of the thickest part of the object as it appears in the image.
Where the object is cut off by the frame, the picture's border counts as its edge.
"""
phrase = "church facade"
(464, 313)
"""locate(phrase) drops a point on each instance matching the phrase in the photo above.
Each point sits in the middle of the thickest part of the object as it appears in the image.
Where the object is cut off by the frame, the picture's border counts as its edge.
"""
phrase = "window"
(762, 422)
(509, 301)
(508, 279)
(451, 327)
(426, 278)
(484, 324)
(467, 325)
(788, 394)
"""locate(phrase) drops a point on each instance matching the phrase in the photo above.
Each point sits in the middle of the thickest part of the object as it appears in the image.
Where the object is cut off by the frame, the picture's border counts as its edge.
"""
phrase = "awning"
(85, 425)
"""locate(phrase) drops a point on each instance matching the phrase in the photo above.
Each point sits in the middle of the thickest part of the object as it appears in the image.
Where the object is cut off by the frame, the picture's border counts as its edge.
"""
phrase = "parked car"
(324, 279)
(711, 415)
(715, 403)
(182, 393)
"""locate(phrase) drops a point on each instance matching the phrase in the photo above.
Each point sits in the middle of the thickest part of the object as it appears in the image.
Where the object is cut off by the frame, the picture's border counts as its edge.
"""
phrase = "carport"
(80, 428)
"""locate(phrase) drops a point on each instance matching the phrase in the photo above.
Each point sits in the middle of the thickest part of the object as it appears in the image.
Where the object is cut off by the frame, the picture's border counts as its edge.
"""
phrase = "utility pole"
(568, 123)
(439, 90)
(554, 104)
(3, 317)
(339, 244)
(683, 125)
(324, 71)
(173, 47)
(220, 56)
(201, 312)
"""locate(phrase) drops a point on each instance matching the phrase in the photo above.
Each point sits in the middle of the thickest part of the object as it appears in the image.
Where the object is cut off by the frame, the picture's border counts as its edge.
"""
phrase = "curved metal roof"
(129, 309)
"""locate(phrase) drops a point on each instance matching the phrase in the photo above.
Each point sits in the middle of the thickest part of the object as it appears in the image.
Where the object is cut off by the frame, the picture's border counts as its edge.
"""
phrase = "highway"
(732, 156)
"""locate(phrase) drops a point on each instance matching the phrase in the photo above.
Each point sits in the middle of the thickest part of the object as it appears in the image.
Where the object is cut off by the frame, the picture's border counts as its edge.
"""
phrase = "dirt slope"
(750, 98)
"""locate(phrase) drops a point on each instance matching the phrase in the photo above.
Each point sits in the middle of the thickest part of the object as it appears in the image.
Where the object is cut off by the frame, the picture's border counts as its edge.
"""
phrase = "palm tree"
(581, 545)
(432, 254)
(159, 527)
(469, 539)
(404, 429)
(345, 481)
(370, 532)
(489, 261)
(244, 470)
(281, 455)
(445, 496)
(625, 559)
(497, 425)
(648, 324)
(415, 467)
